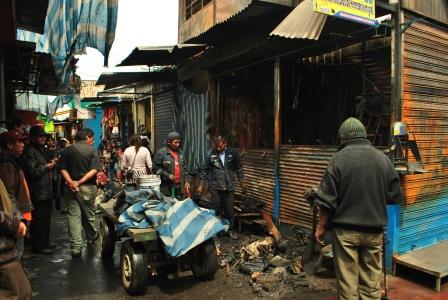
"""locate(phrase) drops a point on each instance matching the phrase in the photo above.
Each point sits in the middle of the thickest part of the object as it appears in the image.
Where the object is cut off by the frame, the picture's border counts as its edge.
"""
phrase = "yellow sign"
(361, 11)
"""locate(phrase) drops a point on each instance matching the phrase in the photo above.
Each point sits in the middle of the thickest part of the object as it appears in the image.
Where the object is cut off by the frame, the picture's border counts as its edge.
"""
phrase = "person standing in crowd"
(219, 170)
(136, 160)
(353, 192)
(39, 175)
(109, 159)
(11, 173)
(19, 126)
(79, 165)
(118, 154)
(13, 284)
(171, 165)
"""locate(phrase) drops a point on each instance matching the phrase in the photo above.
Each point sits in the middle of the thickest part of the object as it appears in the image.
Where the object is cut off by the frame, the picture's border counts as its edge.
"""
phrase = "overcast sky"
(140, 23)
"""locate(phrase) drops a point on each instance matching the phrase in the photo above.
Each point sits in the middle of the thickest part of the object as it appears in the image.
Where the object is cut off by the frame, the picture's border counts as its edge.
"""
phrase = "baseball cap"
(12, 135)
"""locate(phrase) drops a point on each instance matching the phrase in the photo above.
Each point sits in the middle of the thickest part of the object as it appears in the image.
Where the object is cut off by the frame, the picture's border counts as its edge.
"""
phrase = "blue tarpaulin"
(181, 225)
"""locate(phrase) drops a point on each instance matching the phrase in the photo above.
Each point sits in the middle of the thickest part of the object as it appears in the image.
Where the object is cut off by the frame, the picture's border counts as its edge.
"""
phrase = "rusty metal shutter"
(301, 167)
(259, 174)
(163, 117)
(425, 109)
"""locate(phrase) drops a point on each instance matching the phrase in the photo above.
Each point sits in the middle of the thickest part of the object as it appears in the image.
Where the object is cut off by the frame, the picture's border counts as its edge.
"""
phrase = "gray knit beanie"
(352, 128)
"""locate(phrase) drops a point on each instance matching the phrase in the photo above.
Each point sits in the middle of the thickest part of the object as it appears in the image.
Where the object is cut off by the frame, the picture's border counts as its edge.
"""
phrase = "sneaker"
(92, 240)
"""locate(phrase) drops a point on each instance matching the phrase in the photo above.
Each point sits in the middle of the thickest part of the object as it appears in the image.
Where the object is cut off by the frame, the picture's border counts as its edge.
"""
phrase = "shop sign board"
(85, 114)
(360, 11)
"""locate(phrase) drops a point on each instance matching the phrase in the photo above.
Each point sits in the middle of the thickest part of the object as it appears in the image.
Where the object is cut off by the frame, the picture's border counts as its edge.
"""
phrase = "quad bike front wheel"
(134, 268)
(205, 264)
(108, 236)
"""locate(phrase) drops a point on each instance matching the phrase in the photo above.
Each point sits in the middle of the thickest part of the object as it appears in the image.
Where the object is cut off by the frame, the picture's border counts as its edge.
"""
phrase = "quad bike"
(142, 254)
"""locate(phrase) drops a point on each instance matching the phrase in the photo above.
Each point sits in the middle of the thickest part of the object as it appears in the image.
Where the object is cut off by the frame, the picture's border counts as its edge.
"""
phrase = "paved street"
(59, 276)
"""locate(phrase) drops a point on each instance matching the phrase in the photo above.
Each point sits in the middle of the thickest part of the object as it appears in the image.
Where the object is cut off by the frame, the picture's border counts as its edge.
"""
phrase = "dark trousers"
(57, 192)
(222, 202)
(40, 224)
(13, 282)
(171, 190)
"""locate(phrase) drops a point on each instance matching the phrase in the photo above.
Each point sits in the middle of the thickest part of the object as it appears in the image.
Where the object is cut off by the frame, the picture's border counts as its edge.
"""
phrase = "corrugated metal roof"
(301, 23)
(112, 80)
(262, 15)
(161, 55)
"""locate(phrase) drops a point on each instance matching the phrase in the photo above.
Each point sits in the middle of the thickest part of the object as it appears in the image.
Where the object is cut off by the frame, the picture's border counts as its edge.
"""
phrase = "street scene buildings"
(257, 89)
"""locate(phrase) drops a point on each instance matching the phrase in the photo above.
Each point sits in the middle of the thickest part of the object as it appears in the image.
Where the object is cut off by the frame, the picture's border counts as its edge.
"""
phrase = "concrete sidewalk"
(403, 289)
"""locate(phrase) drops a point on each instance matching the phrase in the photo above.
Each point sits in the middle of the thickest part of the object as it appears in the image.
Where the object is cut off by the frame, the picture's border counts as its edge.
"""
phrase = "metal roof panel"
(301, 23)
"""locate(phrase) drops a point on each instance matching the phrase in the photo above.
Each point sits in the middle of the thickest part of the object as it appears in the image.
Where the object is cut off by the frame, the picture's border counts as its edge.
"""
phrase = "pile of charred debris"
(274, 265)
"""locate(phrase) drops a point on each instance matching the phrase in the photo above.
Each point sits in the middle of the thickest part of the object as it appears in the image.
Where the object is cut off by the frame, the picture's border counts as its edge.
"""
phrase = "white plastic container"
(149, 182)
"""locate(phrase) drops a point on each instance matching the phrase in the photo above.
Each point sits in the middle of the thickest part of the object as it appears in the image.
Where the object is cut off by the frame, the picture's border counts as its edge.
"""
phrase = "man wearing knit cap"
(169, 162)
(353, 193)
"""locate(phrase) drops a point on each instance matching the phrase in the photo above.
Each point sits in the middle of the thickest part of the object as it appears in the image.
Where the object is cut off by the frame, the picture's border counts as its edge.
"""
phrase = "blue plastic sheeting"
(187, 226)
(181, 225)
(33, 102)
(423, 224)
(192, 121)
(70, 27)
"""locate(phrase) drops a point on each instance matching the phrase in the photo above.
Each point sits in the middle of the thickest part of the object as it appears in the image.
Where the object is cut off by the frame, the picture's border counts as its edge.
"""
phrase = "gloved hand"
(310, 194)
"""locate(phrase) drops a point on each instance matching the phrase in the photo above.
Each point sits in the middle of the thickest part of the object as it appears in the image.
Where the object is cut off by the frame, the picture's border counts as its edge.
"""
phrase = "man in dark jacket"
(13, 284)
(39, 175)
(219, 170)
(13, 178)
(354, 190)
(169, 162)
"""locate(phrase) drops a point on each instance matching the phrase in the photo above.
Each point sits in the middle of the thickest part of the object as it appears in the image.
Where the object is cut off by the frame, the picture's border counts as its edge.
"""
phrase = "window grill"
(193, 6)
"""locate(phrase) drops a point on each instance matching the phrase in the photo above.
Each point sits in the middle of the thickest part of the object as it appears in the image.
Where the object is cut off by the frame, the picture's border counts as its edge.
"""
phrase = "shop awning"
(112, 80)
(301, 23)
(247, 15)
(162, 55)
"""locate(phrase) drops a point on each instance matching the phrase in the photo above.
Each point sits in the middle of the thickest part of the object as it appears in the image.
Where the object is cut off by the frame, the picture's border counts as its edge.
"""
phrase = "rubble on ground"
(254, 261)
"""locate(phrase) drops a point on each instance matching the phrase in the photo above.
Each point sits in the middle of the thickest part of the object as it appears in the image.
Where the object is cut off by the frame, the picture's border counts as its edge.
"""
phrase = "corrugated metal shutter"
(163, 117)
(301, 167)
(425, 109)
(259, 174)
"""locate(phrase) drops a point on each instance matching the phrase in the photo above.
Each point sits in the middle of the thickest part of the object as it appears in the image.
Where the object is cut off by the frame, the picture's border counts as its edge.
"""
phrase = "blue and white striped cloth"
(70, 27)
(181, 225)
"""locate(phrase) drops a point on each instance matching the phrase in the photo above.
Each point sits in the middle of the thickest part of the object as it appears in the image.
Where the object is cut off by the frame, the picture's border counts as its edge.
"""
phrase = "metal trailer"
(142, 254)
